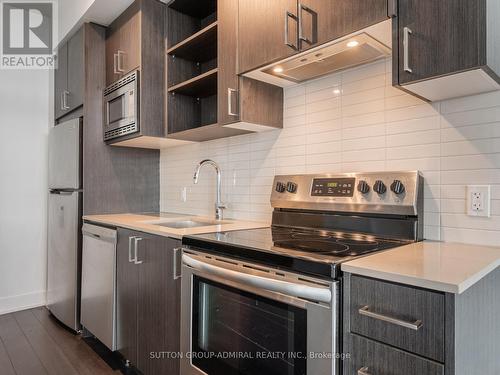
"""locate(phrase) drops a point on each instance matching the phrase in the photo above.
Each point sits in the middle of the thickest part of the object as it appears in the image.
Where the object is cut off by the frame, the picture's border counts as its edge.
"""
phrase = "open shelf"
(195, 8)
(206, 133)
(200, 86)
(199, 47)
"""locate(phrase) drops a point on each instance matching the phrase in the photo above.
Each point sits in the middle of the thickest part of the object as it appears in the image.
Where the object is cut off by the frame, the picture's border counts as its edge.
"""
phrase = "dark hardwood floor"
(32, 342)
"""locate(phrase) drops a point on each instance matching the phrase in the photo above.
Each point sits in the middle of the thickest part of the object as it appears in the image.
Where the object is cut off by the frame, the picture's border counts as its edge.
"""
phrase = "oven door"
(238, 318)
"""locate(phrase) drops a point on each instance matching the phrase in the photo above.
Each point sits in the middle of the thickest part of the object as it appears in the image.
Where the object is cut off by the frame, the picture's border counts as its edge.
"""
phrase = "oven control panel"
(333, 187)
(376, 192)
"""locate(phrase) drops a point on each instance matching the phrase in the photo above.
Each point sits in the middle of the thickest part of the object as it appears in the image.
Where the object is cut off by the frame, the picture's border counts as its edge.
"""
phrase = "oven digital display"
(333, 187)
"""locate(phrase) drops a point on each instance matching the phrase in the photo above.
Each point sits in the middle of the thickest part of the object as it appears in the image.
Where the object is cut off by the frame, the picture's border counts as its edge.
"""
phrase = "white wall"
(73, 13)
(355, 121)
(24, 124)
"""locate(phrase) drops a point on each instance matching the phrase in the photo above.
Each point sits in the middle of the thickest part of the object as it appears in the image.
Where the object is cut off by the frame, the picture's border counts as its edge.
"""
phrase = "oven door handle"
(284, 287)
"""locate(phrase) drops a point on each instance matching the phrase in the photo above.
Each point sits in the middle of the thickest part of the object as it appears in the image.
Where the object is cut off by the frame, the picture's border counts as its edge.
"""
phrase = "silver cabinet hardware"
(363, 371)
(287, 41)
(303, 8)
(402, 323)
(177, 265)
(64, 100)
(230, 95)
(406, 49)
(118, 62)
(115, 63)
(131, 259)
(136, 250)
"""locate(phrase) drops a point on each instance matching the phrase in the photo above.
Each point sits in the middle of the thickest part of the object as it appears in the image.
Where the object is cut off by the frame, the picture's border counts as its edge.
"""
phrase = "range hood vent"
(357, 50)
(361, 47)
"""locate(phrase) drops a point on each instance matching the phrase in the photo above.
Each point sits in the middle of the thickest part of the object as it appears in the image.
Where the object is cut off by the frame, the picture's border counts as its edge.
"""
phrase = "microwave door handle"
(284, 287)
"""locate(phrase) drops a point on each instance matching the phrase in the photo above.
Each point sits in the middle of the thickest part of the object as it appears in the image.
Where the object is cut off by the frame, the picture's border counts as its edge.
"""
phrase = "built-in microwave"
(121, 107)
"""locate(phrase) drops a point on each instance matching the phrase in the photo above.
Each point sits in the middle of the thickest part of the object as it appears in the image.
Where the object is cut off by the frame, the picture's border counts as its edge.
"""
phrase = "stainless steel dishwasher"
(98, 306)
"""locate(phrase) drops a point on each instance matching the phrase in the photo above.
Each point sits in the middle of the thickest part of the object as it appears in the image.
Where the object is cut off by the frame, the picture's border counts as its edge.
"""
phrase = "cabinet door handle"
(119, 67)
(131, 259)
(65, 106)
(115, 63)
(302, 8)
(136, 250)
(62, 102)
(287, 41)
(406, 49)
(363, 371)
(230, 96)
(177, 266)
(402, 323)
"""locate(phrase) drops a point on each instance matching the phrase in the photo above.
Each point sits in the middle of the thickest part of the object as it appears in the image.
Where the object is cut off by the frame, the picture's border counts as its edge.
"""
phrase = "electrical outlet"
(478, 200)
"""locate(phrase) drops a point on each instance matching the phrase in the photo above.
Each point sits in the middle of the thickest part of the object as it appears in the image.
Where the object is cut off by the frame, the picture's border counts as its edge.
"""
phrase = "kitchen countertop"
(146, 223)
(446, 267)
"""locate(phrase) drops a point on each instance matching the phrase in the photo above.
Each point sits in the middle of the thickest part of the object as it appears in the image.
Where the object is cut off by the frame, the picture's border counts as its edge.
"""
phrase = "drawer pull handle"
(363, 371)
(402, 323)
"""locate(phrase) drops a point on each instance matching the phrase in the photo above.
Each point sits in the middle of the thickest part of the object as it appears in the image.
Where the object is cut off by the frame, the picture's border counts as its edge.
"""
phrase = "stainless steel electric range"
(267, 301)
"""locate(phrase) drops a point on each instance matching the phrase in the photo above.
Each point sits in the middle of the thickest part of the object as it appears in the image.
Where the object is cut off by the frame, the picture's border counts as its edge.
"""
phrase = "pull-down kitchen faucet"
(219, 206)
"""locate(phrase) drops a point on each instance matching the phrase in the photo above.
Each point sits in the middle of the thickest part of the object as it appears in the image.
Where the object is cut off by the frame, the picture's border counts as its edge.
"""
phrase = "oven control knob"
(280, 187)
(291, 187)
(363, 187)
(379, 187)
(397, 187)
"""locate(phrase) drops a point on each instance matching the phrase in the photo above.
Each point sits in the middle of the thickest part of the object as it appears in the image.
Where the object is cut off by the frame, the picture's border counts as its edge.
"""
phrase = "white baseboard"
(22, 302)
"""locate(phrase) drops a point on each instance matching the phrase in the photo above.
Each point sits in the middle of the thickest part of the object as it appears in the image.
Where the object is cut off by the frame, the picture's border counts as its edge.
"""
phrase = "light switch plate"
(479, 200)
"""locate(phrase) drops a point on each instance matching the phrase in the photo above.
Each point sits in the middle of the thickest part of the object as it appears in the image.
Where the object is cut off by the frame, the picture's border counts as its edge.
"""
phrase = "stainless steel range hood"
(356, 49)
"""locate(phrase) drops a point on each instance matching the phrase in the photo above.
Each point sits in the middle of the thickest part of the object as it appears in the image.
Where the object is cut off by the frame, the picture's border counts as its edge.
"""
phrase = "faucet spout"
(219, 206)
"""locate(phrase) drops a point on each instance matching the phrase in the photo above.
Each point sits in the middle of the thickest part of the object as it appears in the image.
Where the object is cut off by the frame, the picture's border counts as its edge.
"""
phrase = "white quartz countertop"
(148, 223)
(446, 267)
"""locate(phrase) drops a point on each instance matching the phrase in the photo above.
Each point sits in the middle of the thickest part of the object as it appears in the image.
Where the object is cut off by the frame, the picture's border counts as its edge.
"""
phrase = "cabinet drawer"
(370, 357)
(405, 317)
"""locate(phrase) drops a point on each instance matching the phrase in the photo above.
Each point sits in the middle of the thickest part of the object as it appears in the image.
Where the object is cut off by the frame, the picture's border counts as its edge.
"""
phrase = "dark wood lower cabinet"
(148, 302)
(395, 329)
(127, 279)
(371, 357)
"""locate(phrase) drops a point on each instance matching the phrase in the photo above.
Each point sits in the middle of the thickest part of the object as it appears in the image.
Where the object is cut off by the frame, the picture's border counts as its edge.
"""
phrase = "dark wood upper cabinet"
(76, 70)
(207, 99)
(274, 30)
(61, 82)
(123, 45)
(148, 300)
(446, 48)
(322, 21)
(262, 32)
(69, 76)
(135, 41)
(242, 100)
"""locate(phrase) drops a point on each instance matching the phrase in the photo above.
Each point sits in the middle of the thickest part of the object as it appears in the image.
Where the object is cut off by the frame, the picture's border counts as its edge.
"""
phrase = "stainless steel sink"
(187, 224)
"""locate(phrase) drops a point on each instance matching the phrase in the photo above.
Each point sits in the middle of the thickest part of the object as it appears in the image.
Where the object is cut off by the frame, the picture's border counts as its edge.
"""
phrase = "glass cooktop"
(292, 246)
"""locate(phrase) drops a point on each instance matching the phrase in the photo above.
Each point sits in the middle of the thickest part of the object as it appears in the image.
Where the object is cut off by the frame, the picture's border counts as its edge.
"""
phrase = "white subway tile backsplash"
(348, 122)
(415, 125)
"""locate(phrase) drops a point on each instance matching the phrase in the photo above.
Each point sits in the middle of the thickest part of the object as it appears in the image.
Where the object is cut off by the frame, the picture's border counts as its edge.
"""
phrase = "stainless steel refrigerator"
(64, 222)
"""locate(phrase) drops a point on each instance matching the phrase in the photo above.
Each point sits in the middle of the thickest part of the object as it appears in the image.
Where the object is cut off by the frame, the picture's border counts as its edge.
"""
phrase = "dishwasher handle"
(284, 287)
(99, 233)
